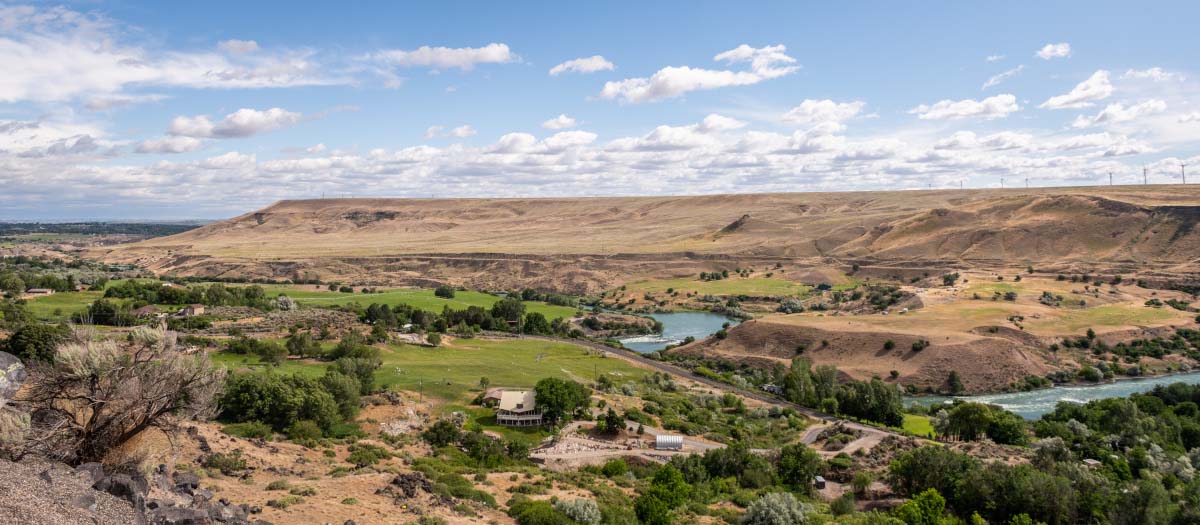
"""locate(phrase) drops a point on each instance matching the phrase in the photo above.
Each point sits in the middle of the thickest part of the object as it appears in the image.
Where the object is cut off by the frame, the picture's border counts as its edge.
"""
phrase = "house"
(491, 397)
(1092, 463)
(147, 312)
(191, 310)
(518, 408)
(38, 292)
(667, 442)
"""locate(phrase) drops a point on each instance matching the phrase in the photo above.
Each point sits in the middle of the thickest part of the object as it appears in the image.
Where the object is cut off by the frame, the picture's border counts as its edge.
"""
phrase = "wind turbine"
(1182, 173)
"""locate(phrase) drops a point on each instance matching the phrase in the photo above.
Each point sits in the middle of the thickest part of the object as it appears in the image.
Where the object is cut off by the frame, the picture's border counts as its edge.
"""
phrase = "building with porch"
(518, 408)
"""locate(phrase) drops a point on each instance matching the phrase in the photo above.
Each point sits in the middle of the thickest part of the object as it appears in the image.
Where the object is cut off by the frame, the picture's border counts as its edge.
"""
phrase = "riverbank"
(1034, 403)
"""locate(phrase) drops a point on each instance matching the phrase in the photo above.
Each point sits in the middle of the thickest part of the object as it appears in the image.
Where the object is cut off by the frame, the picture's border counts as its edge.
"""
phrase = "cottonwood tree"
(96, 396)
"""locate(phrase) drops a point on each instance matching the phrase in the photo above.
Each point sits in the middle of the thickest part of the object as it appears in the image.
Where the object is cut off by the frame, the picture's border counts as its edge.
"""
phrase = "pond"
(676, 327)
(1032, 405)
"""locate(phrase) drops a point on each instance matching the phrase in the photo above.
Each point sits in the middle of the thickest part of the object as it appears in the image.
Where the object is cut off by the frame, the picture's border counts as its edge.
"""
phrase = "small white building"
(667, 442)
(518, 408)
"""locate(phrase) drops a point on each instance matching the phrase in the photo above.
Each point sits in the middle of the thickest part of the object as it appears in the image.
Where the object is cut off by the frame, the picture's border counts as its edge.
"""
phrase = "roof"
(493, 393)
(664, 439)
(39, 290)
(511, 398)
(146, 310)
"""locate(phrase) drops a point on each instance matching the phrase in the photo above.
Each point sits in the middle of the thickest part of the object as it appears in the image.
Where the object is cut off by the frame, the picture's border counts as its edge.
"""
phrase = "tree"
(12, 284)
(776, 508)
(925, 509)
(302, 344)
(559, 398)
(443, 291)
(360, 368)
(861, 481)
(954, 383)
(582, 510)
(278, 400)
(96, 396)
(798, 465)
(612, 422)
(441, 433)
(345, 390)
(36, 341)
(14, 313)
(509, 309)
(536, 323)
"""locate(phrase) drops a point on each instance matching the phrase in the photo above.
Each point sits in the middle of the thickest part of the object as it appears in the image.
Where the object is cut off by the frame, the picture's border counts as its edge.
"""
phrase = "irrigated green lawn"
(452, 371)
(66, 303)
(754, 286)
(918, 425)
(423, 299)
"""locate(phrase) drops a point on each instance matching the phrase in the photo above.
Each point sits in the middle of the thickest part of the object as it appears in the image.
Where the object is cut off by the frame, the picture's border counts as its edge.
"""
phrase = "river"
(676, 327)
(1032, 405)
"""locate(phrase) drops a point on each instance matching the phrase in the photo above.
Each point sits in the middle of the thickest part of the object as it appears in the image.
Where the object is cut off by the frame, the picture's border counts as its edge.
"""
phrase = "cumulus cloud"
(1189, 117)
(999, 106)
(241, 123)
(1119, 112)
(173, 144)
(1052, 51)
(560, 122)
(996, 79)
(994, 58)
(590, 64)
(811, 112)
(1096, 87)
(765, 63)
(440, 132)
(462, 58)
(56, 54)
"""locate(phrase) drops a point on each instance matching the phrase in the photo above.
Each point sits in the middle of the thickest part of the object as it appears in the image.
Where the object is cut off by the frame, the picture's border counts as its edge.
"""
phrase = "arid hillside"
(590, 243)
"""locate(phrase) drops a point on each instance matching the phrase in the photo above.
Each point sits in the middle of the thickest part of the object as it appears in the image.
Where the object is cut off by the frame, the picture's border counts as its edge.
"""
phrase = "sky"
(188, 110)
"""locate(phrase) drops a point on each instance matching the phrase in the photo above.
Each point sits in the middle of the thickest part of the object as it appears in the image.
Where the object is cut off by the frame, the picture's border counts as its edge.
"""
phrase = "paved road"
(679, 371)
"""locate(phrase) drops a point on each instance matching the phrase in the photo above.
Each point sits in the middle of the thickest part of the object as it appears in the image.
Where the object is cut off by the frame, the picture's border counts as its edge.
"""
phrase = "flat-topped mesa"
(455, 238)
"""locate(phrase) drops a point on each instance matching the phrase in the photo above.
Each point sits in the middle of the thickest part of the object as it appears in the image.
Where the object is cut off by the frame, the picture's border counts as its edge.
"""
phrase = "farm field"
(61, 306)
(423, 299)
(452, 372)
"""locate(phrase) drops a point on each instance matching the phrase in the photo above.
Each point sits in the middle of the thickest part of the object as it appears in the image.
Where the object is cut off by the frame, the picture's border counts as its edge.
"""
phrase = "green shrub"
(227, 463)
(249, 430)
(304, 431)
(279, 484)
(364, 455)
(303, 491)
(285, 502)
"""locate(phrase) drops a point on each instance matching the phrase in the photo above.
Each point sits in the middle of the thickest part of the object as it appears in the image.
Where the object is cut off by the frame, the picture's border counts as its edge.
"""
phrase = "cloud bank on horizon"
(148, 113)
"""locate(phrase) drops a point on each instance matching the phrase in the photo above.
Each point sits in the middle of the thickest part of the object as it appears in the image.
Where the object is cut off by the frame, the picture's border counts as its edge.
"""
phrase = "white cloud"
(241, 123)
(1119, 112)
(56, 54)
(995, 58)
(439, 132)
(811, 112)
(765, 63)
(107, 102)
(229, 160)
(560, 122)
(590, 64)
(1189, 117)
(1156, 74)
(996, 79)
(238, 47)
(1096, 87)
(989, 108)
(173, 144)
(462, 58)
(1051, 51)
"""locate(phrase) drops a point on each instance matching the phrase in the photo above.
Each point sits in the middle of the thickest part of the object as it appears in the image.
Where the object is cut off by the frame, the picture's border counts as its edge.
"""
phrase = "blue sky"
(133, 110)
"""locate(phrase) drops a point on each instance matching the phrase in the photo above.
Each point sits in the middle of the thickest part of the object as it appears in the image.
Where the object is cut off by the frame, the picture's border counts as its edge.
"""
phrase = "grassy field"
(65, 303)
(918, 425)
(452, 371)
(1108, 315)
(423, 299)
(754, 286)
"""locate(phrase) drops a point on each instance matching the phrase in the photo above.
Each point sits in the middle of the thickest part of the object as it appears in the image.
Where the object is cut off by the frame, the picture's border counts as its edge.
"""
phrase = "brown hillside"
(585, 243)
